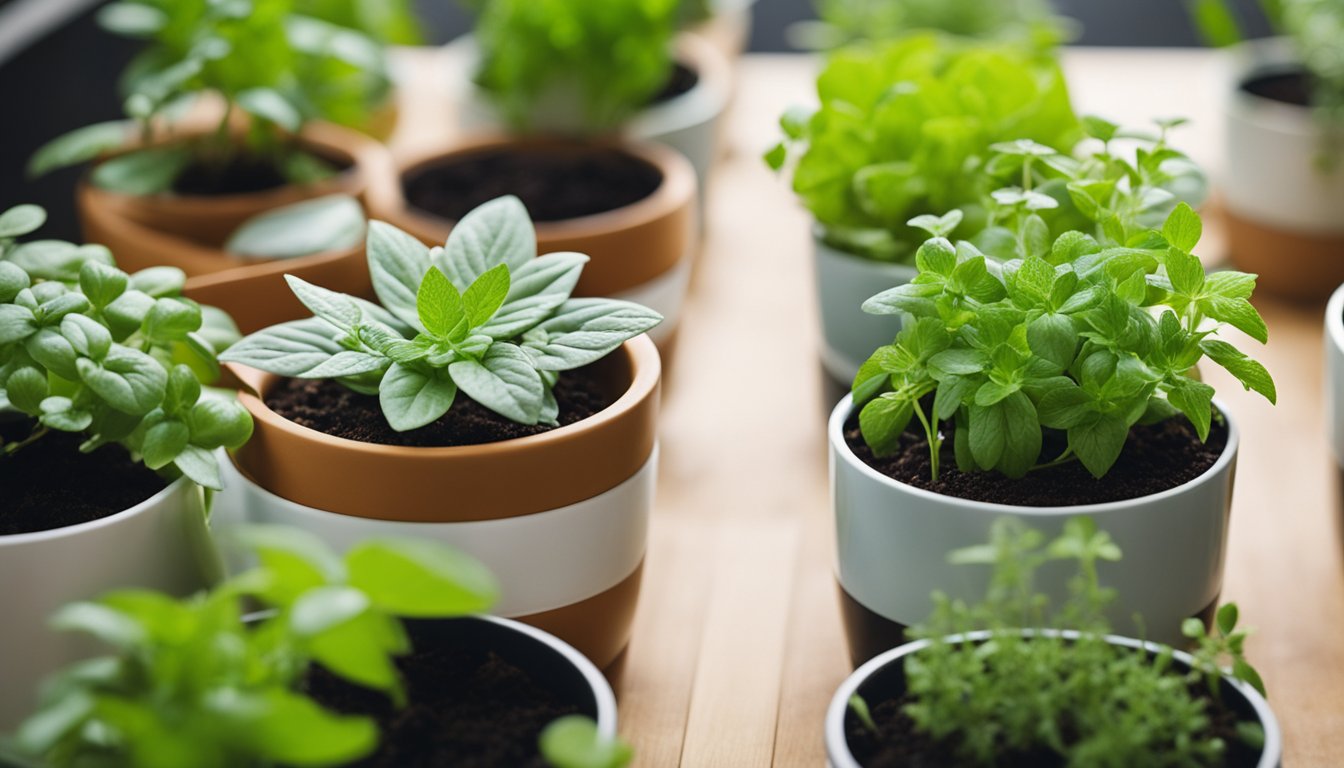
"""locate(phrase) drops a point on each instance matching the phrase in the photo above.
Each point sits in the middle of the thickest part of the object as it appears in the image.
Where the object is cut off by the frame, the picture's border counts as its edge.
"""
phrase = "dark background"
(66, 78)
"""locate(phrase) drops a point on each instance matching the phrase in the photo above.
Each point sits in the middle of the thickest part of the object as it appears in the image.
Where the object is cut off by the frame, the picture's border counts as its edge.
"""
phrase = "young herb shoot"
(574, 742)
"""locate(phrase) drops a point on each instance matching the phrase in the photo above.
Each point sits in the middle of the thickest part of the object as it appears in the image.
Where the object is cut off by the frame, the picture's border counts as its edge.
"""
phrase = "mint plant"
(610, 59)
(482, 314)
(270, 64)
(118, 358)
(1077, 336)
(903, 130)
(200, 682)
(574, 742)
(1031, 691)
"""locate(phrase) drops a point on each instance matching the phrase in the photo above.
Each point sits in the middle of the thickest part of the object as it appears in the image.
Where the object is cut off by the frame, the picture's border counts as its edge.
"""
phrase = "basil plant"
(482, 314)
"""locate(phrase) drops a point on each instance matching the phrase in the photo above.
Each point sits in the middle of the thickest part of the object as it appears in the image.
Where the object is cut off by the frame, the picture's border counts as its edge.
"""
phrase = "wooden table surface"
(738, 644)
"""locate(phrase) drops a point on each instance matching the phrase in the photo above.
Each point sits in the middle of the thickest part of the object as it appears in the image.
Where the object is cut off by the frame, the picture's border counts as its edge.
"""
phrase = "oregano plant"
(1082, 337)
(117, 358)
(483, 314)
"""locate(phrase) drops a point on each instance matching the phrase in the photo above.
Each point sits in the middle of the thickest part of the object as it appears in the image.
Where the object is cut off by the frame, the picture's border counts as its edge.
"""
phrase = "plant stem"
(1063, 458)
(935, 442)
(10, 449)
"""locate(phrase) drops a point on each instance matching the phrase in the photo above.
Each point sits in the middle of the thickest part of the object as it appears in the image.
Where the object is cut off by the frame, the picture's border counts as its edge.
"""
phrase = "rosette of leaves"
(198, 682)
(1091, 702)
(841, 22)
(903, 129)
(271, 65)
(119, 358)
(610, 58)
(482, 314)
(1078, 337)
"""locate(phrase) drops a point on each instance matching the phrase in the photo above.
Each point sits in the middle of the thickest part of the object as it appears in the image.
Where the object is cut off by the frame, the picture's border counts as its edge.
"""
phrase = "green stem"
(935, 442)
(10, 449)
(1063, 458)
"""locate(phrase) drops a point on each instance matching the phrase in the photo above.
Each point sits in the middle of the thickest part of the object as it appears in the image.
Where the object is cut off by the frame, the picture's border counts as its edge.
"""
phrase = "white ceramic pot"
(1334, 372)
(1284, 204)
(844, 281)
(161, 543)
(729, 29)
(893, 542)
(1247, 699)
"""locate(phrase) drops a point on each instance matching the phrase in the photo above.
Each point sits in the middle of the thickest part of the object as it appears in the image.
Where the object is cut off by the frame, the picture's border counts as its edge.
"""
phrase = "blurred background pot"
(843, 282)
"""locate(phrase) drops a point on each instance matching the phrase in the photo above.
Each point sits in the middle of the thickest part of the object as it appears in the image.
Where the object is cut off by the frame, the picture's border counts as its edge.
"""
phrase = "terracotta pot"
(883, 678)
(561, 515)
(640, 253)
(1284, 204)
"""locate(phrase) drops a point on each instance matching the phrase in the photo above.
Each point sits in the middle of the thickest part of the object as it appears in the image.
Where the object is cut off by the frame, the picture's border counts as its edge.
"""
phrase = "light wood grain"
(738, 643)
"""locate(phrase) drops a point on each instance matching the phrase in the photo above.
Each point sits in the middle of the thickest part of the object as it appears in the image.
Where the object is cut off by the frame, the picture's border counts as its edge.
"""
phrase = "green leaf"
(346, 363)
(776, 156)
(498, 232)
(1185, 272)
(131, 19)
(293, 730)
(988, 435)
(52, 351)
(270, 105)
(1244, 672)
(361, 649)
(439, 307)
(1239, 313)
(106, 624)
(200, 466)
(159, 282)
(1098, 128)
(21, 220)
(936, 255)
(420, 578)
(536, 289)
(410, 398)
(336, 308)
(1226, 618)
(61, 414)
(102, 283)
(582, 331)
(883, 420)
(573, 741)
(12, 281)
(127, 379)
(288, 349)
(1194, 399)
(397, 264)
(1063, 407)
(938, 226)
(16, 323)
(504, 380)
(1250, 373)
(1215, 22)
(79, 146)
(1054, 338)
(141, 172)
(218, 423)
(163, 442)
(25, 389)
(323, 608)
(486, 295)
(1230, 284)
(321, 225)
(171, 320)
(297, 561)
(1098, 441)
(39, 734)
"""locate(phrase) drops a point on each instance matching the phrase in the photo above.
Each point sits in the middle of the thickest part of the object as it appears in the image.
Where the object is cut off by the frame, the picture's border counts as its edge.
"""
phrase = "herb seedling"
(903, 130)
(1076, 336)
(1033, 692)
(270, 64)
(482, 314)
(574, 742)
(87, 348)
(608, 58)
(842, 22)
(195, 682)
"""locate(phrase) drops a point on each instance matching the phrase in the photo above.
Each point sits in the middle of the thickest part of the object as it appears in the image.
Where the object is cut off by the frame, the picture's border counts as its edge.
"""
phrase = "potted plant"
(373, 659)
(1062, 382)
(979, 689)
(841, 22)
(422, 417)
(1283, 184)
(903, 129)
(105, 438)
(230, 108)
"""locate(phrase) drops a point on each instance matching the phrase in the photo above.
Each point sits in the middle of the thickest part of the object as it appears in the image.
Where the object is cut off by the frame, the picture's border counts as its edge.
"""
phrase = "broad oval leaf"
(536, 289)
(421, 578)
(127, 379)
(322, 225)
(504, 380)
(397, 263)
(288, 349)
(583, 331)
(497, 232)
(411, 398)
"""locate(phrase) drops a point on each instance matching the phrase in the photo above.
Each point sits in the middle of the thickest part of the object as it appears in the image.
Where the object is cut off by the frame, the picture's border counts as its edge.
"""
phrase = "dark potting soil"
(555, 182)
(1156, 457)
(329, 407)
(241, 175)
(681, 81)
(49, 484)
(1290, 87)
(898, 745)
(466, 707)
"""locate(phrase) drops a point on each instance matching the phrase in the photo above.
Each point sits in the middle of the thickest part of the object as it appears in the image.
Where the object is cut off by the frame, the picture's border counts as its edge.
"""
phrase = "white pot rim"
(1247, 60)
(838, 754)
(702, 103)
(1334, 318)
(37, 537)
(836, 434)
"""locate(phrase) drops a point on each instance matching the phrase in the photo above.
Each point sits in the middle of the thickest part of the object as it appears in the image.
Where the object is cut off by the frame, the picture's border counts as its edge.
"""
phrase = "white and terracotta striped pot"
(843, 282)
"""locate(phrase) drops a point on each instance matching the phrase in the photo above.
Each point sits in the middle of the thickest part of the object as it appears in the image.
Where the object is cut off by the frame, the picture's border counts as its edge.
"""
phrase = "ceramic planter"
(894, 539)
(640, 253)
(729, 29)
(884, 676)
(560, 517)
(161, 543)
(1285, 208)
(844, 281)
(188, 232)
(1334, 372)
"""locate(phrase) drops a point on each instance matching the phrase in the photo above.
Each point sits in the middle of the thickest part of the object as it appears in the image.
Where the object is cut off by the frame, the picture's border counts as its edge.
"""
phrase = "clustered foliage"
(296, 68)
(609, 57)
(482, 314)
(387, 21)
(87, 348)
(847, 21)
(1091, 702)
(194, 682)
(903, 129)
(1074, 335)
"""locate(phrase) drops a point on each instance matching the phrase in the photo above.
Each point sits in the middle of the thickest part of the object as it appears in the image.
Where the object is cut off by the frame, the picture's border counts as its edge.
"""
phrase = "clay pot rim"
(176, 487)
(675, 191)
(640, 351)
(837, 746)
(835, 431)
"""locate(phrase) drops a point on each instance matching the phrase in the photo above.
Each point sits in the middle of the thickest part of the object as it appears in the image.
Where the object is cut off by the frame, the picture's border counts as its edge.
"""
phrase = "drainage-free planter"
(1284, 199)
(160, 544)
(894, 540)
(883, 678)
(560, 516)
(844, 281)
(639, 252)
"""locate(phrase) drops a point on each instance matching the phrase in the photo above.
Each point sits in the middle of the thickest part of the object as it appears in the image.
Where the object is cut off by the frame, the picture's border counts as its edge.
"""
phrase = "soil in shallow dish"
(556, 181)
(50, 484)
(1293, 86)
(1156, 457)
(468, 707)
(327, 406)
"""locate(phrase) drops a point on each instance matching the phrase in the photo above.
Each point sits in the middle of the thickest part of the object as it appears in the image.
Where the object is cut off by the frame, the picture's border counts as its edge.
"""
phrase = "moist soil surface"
(1156, 457)
(50, 484)
(241, 175)
(466, 708)
(1290, 87)
(330, 407)
(899, 745)
(681, 81)
(555, 181)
